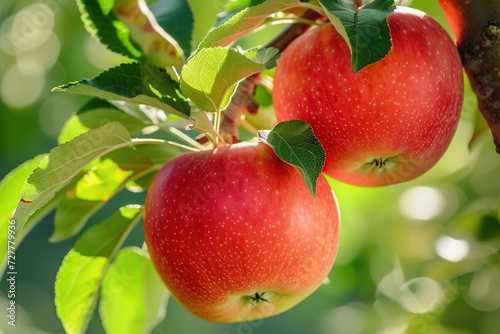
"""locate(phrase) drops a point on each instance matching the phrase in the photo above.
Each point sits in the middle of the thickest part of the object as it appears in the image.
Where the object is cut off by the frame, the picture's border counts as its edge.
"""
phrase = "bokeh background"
(420, 257)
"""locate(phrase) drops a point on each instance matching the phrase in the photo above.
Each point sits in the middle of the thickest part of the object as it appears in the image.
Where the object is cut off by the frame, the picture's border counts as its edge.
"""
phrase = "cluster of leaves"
(175, 83)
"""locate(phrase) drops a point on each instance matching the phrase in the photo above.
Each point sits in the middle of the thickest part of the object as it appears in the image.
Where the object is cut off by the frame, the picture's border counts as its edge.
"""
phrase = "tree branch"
(476, 26)
(243, 100)
(358, 3)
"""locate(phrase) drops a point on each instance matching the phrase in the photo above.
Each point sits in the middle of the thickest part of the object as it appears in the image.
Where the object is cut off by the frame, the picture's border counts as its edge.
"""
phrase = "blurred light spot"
(422, 203)
(451, 249)
(18, 89)
(345, 320)
(32, 26)
(420, 295)
(40, 59)
(28, 35)
(391, 283)
(417, 295)
(392, 324)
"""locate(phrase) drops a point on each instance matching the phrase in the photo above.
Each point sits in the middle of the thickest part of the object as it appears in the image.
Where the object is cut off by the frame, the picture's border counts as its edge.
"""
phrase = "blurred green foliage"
(420, 257)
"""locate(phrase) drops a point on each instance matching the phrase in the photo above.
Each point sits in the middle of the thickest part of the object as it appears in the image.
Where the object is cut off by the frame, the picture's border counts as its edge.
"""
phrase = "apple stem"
(249, 127)
(181, 135)
(243, 100)
(476, 26)
(219, 139)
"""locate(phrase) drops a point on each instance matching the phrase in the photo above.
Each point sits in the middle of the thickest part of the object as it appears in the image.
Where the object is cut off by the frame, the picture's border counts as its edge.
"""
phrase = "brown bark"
(476, 26)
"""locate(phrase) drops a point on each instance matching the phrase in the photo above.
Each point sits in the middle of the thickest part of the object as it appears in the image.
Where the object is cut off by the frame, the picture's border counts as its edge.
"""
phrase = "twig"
(476, 26)
(293, 31)
(243, 100)
(358, 3)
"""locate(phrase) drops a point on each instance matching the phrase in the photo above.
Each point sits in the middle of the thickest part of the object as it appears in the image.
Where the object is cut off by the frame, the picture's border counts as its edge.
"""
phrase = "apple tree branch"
(476, 26)
(243, 100)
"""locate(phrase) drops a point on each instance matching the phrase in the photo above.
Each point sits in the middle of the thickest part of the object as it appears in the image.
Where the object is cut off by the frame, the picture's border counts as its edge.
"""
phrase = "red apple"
(235, 233)
(391, 121)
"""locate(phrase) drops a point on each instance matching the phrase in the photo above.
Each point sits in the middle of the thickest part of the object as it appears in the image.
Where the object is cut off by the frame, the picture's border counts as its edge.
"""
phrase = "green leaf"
(32, 221)
(95, 113)
(21, 234)
(152, 116)
(205, 17)
(177, 20)
(237, 5)
(234, 7)
(63, 163)
(128, 27)
(244, 22)
(71, 215)
(11, 187)
(104, 178)
(135, 83)
(82, 271)
(160, 48)
(366, 30)
(159, 153)
(101, 182)
(133, 297)
(100, 20)
(295, 143)
(211, 73)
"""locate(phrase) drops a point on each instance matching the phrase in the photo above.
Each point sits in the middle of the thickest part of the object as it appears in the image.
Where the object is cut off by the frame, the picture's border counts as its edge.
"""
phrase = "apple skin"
(388, 123)
(235, 233)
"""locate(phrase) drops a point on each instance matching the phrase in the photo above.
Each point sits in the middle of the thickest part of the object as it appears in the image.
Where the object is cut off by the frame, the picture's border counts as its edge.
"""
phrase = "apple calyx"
(257, 298)
(379, 162)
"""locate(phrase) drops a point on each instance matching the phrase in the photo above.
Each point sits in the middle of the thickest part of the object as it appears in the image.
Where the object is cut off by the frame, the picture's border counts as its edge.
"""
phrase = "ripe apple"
(391, 121)
(235, 233)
